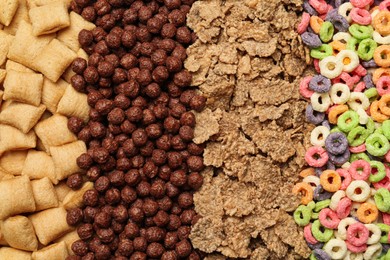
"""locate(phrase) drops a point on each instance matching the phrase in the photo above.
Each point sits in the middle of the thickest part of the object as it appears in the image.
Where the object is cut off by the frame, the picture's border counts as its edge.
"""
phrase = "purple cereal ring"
(336, 143)
(340, 159)
(321, 194)
(311, 40)
(339, 22)
(314, 117)
(369, 64)
(318, 245)
(320, 84)
(340, 2)
(326, 124)
(321, 254)
(368, 81)
(308, 8)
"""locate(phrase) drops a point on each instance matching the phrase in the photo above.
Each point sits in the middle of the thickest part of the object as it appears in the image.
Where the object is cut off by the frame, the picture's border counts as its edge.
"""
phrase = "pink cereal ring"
(308, 235)
(357, 234)
(319, 5)
(328, 218)
(360, 71)
(360, 16)
(384, 5)
(345, 177)
(304, 87)
(316, 151)
(356, 249)
(360, 87)
(386, 218)
(360, 3)
(343, 208)
(385, 182)
(302, 26)
(383, 85)
(349, 80)
(316, 63)
(357, 149)
(358, 174)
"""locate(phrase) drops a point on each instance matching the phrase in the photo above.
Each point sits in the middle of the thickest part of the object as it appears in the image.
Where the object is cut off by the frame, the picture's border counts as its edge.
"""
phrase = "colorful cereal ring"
(330, 180)
(367, 213)
(305, 190)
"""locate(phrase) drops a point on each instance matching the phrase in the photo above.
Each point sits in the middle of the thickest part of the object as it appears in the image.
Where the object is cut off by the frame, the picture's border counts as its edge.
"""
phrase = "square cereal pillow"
(13, 161)
(21, 116)
(20, 15)
(5, 42)
(74, 103)
(54, 59)
(19, 233)
(13, 139)
(74, 198)
(39, 164)
(12, 65)
(9, 253)
(62, 190)
(52, 93)
(44, 194)
(25, 87)
(7, 11)
(57, 251)
(49, 18)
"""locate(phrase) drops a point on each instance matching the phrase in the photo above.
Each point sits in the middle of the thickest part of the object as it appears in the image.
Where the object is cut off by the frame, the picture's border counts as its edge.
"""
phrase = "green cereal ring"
(359, 156)
(351, 44)
(311, 205)
(377, 144)
(321, 205)
(321, 52)
(302, 215)
(335, 129)
(357, 136)
(315, 215)
(366, 49)
(379, 130)
(386, 129)
(382, 199)
(326, 31)
(352, 117)
(381, 171)
(324, 236)
(385, 232)
(372, 94)
(313, 257)
(361, 32)
(370, 125)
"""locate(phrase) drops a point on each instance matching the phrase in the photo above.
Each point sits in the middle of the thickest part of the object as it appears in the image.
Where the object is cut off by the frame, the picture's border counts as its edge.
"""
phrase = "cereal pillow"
(44, 194)
(19, 233)
(57, 251)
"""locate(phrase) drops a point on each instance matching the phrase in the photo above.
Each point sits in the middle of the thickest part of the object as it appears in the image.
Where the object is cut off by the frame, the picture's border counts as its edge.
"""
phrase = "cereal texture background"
(248, 61)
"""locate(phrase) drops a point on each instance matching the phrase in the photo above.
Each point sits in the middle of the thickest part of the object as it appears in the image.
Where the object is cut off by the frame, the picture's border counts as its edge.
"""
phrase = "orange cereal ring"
(306, 190)
(316, 23)
(382, 104)
(381, 22)
(376, 114)
(307, 172)
(330, 180)
(367, 213)
(379, 73)
(337, 46)
(382, 55)
(335, 112)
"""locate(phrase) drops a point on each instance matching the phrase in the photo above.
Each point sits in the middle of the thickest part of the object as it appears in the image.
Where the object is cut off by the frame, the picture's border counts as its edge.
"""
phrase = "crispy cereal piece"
(65, 156)
(5, 42)
(2, 240)
(74, 103)
(13, 139)
(13, 161)
(69, 239)
(38, 165)
(19, 233)
(16, 197)
(50, 224)
(7, 11)
(49, 18)
(57, 251)
(52, 93)
(62, 190)
(25, 87)
(20, 15)
(3, 73)
(44, 194)
(21, 116)
(54, 59)
(9, 253)
(54, 131)
(75, 198)
(69, 36)
(12, 65)
(37, 3)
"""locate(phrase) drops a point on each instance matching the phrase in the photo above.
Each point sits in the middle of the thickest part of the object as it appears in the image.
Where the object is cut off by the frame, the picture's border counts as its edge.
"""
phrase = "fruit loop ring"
(321, 205)
(321, 52)
(326, 31)
(306, 190)
(331, 66)
(321, 236)
(315, 24)
(314, 181)
(382, 199)
(335, 112)
(377, 144)
(319, 84)
(307, 172)
(383, 85)
(382, 55)
(358, 100)
(360, 32)
(356, 249)
(378, 171)
(357, 136)
(343, 225)
(319, 135)
(360, 3)
(358, 149)
(339, 159)
(311, 40)
(375, 234)
(380, 39)
(360, 170)
(352, 57)
(302, 215)
(366, 49)
(383, 103)
(345, 11)
(381, 22)
(373, 251)
(336, 143)
(314, 117)
(339, 94)
(376, 113)
(328, 218)
(357, 234)
(367, 213)
(346, 178)
(309, 236)
(348, 120)
(330, 180)
(319, 5)
(336, 248)
(316, 156)
(343, 208)
(337, 196)
(385, 232)
(304, 87)
(361, 16)
(337, 46)
(319, 254)
(384, 5)
(379, 73)
(358, 191)
(302, 26)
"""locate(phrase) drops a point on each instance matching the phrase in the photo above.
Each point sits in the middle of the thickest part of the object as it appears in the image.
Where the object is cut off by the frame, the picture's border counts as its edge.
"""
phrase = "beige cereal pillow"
(74, 198)
(25, 87)
(20, 15)
(13, 139)
(7, 11)
(49, 18)
(12, 65)
(62, 190)
(52, 93)
(44, 194)
(5, 42)
(38, 165)
(57, 228)
(54, 59)
(16, 197)
(35, 3)
(74, 103)
(13, 161)
(19, 233)
(21, 116)
(69, 35)
(54, 131)
(57, 251)
(69, 239)
(2, 240)
(3, 73)
(9, 253)
(65, 156)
